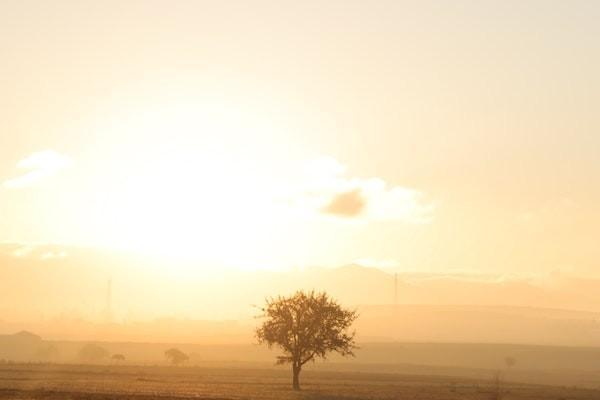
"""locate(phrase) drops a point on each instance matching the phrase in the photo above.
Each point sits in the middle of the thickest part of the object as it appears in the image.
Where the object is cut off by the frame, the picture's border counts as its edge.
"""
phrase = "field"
(31, 381)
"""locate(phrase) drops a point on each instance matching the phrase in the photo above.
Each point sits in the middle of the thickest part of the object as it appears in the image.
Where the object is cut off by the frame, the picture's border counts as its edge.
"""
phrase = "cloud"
(326, 189)
(39, 166)
(50, 255)
(38, 251)
(22, 251)
(348, 204)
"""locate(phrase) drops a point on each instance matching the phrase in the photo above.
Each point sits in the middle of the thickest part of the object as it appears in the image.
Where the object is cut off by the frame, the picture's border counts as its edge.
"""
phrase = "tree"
(176, 356)
(306, 326)
(510, 362)
(92, 353)
(118, 357)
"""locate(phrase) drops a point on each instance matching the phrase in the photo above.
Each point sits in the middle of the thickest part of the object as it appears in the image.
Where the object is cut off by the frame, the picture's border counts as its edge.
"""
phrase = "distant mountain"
(67, 289)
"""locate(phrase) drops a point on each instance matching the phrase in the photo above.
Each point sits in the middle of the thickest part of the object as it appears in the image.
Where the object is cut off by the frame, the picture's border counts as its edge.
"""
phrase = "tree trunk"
(296, 376)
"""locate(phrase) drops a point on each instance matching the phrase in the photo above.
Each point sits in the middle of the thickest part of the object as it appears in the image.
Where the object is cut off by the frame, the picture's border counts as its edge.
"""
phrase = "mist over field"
(299, 200)
(98, 295)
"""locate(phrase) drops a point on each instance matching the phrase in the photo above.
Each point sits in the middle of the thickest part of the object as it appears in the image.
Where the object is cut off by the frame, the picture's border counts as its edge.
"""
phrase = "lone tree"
(306, 326)
(117, 357)
(176, 356)
(510, 362)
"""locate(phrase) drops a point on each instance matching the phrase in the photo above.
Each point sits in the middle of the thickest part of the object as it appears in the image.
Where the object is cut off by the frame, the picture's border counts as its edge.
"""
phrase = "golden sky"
(459, 135)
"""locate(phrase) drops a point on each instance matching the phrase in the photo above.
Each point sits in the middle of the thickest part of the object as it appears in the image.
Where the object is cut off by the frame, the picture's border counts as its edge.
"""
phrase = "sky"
(411, 136)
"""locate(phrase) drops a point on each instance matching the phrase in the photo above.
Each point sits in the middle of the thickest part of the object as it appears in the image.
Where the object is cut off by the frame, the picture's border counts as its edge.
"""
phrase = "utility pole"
(109, 301)
(395, 289)
(394, 310)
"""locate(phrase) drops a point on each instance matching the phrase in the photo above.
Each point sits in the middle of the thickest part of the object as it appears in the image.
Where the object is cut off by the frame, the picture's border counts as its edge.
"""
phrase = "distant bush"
(92, 353)
(176, 356)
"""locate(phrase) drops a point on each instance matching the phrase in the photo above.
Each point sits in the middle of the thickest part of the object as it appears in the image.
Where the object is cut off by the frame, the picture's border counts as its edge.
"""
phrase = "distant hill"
(20, 346)
(63, 292)
(479, 324)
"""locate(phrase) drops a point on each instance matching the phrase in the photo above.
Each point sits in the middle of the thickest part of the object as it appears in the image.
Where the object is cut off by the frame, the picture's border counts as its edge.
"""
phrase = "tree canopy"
(306, 326)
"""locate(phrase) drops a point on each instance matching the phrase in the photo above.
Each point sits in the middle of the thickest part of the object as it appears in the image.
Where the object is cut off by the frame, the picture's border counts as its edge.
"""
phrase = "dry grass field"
(28, 381)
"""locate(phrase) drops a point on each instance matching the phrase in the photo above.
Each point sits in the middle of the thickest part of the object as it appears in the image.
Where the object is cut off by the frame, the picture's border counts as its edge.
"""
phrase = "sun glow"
(192, 178)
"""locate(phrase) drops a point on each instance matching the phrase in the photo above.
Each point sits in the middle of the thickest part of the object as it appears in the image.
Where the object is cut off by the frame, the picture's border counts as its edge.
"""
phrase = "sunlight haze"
(194, 132)
(244, 199)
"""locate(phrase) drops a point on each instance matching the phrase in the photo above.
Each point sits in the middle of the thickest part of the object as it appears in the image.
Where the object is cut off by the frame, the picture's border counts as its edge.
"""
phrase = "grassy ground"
(23, 381)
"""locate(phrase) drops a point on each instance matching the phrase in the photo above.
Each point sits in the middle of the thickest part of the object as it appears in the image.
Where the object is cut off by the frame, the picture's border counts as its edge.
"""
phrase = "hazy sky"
(422, 136)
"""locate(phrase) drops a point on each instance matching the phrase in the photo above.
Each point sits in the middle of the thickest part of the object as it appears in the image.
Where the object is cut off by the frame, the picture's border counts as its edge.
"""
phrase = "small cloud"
(348, 204)
(22, 251)
(42, 252)
(326, 189)
(49, 255)
(40, 165)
